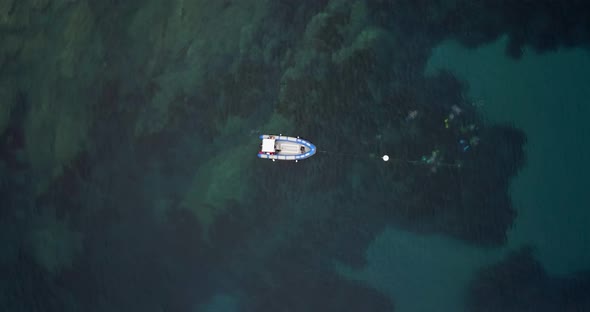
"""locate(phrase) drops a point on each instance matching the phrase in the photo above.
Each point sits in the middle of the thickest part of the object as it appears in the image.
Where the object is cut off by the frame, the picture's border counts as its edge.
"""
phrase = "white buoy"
(385, 158)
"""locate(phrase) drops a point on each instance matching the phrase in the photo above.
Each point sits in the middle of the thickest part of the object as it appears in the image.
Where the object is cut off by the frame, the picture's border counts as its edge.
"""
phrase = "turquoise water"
(545, 95)
(129, 179)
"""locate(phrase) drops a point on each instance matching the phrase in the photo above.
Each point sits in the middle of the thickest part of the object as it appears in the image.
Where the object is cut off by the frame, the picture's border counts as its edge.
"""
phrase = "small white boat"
(280, 147)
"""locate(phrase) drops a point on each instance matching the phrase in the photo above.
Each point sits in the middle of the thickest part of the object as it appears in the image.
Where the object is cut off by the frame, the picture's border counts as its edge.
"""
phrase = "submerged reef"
(118, 118)
(541, 25)
(519, 283)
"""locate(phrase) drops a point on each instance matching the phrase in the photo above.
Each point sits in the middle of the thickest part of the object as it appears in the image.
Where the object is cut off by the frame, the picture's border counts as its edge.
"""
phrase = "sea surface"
(129, 176)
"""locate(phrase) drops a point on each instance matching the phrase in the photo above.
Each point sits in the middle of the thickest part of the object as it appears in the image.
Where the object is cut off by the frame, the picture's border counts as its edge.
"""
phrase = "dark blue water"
(129, 179)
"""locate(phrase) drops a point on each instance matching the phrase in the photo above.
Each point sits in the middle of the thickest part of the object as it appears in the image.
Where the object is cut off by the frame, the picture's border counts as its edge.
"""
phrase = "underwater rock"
(520, 283)
(39, 4)
(77, 35)
(7, 95)
(9, 51)
(304, 284)
(6, 13)
(54, 246)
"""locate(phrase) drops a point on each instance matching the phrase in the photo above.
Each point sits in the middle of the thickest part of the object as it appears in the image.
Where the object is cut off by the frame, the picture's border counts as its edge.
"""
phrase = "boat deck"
(290, 148)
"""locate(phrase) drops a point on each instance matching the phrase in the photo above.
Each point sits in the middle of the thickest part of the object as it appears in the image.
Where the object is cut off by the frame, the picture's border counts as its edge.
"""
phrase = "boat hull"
(287, 148)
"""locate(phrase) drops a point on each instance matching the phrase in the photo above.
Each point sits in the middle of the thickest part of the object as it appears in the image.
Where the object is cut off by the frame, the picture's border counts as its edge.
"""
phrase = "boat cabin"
(268, 146)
